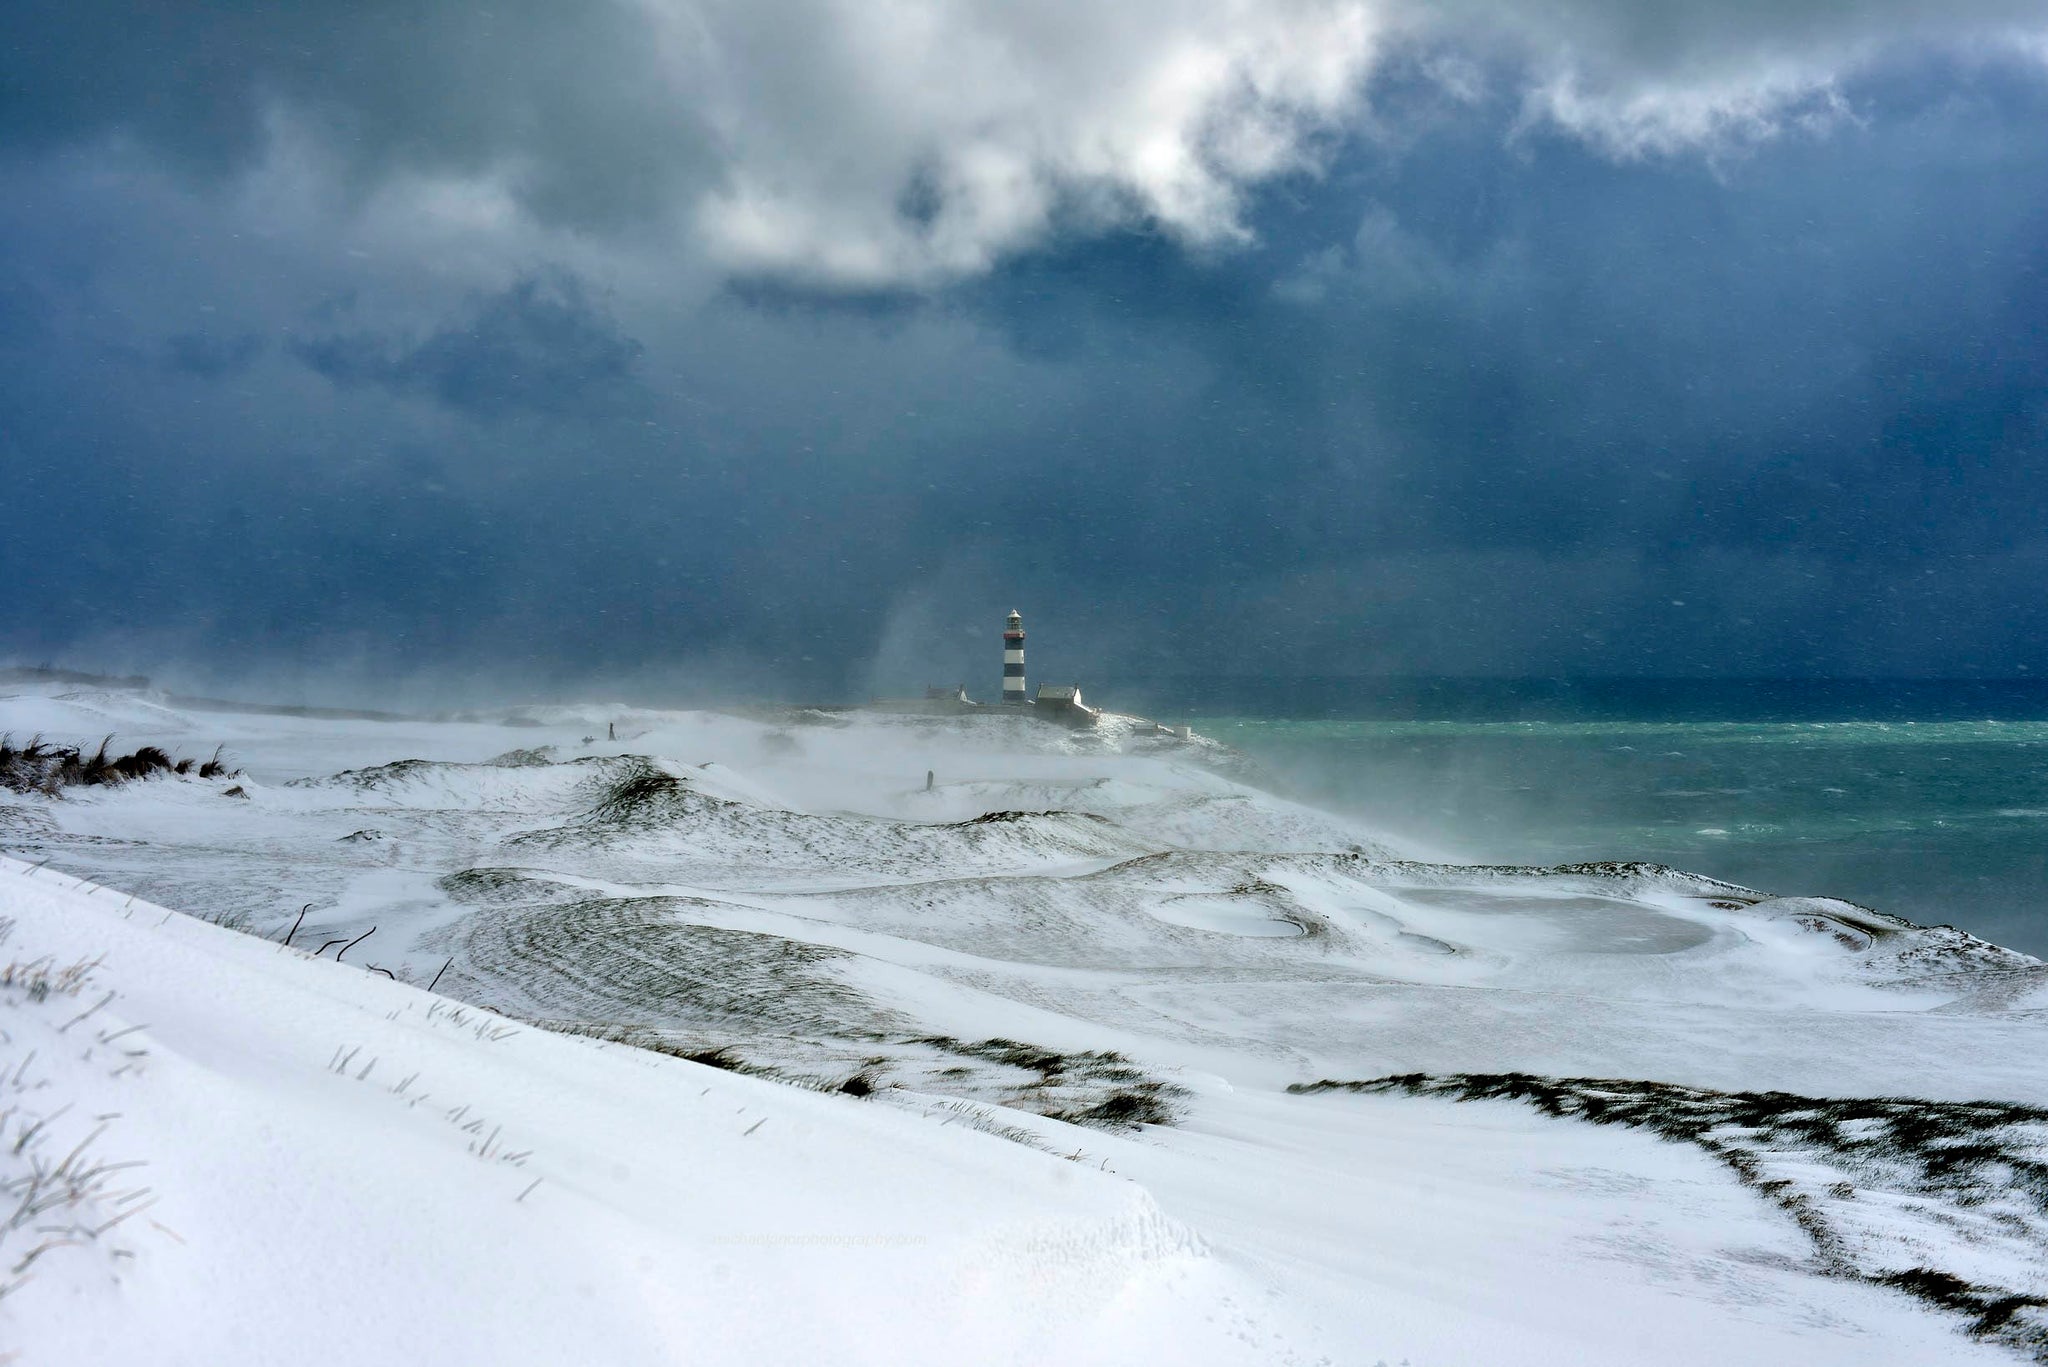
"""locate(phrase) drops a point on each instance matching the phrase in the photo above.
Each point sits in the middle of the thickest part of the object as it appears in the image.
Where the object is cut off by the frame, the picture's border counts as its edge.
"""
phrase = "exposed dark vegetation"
(1128, 1108)
(1972, 1172)
(998, 818)
(1095, 1087)
(1006, 817)
(724, 1057)
(40, 767)
(387, 775)
(533, 757)
(376, 775)
(507, 887)
(1030, 1057)
(712, 1058)
(645, 795)
(640, 796)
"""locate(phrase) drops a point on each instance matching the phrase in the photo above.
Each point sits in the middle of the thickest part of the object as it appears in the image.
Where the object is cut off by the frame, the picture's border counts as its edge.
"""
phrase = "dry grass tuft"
(40, 767)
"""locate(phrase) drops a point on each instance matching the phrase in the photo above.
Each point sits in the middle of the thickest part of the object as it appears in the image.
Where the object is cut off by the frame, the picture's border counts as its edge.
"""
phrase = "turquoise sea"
(1940, 821)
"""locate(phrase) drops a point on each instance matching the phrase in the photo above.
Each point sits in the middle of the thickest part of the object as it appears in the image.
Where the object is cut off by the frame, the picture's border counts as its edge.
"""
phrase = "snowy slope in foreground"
(315, 1165)
(337, 1168)
(1092, 982)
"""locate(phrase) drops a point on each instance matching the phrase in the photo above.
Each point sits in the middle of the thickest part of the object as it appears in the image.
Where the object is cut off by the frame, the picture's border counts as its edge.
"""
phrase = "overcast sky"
(647, 343)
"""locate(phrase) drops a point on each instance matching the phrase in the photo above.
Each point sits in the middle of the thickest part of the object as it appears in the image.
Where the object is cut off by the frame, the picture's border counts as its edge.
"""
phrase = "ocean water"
(1940, 821)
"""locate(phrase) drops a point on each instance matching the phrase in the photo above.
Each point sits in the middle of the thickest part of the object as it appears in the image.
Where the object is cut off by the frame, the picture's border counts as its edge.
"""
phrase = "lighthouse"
(1013, 658)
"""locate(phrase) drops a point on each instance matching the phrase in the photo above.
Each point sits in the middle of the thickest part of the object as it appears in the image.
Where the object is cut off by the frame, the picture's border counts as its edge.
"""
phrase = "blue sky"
(711, 346)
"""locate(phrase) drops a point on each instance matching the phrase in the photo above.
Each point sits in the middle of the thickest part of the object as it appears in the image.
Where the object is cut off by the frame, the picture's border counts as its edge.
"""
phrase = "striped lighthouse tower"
(1013, 658)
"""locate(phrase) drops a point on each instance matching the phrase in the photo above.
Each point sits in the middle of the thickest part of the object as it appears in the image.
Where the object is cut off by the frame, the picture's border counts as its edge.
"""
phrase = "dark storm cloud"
(1471, 392)
(570, 100)
(842, 145)
(540, 345)
(209, 357)
(1652, 36)
(1537, 407)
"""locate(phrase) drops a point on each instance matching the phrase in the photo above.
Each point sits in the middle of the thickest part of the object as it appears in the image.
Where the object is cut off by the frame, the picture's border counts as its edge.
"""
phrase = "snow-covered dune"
(870, 1039)
(277, 1159)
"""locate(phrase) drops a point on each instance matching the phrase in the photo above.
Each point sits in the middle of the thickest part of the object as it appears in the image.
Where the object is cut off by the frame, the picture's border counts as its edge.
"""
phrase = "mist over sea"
(1924, 798)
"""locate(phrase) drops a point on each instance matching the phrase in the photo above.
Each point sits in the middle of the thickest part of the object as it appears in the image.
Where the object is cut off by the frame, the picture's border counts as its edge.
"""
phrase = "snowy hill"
(747, 1044)
(337, 1168)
